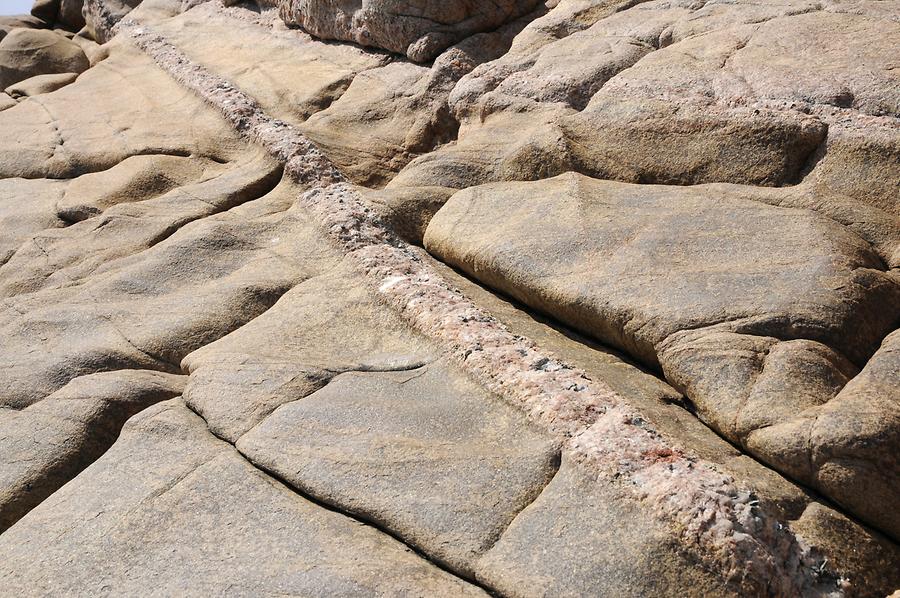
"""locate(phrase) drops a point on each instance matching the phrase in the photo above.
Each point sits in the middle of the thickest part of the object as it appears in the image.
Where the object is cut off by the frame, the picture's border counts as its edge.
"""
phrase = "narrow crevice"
(362, 521)
(163, 364)
(815, 157)
(253, 192)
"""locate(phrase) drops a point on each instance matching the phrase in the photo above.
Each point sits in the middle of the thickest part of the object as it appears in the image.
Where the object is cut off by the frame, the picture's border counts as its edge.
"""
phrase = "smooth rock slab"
(291, 75)
(633, 264)
(27, 206)
(63, 255)
(47, 444)
(170, 510)
(324, 326)
(586, 538)
(425, 454)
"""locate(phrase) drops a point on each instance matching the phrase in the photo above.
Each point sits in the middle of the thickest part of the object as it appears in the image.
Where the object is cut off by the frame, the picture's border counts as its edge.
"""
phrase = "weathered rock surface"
(847, 446)
(40, 84)
(48, 443)
(25, 53)
(569, 520)
(676, 93)
(422, 453)
(8, 23)
(150, 309)
(181, 512)
(420, 30)
(27, 207)
(101, 16)
(372, 115)
(122, 107)
(742, 305)
(321, 328)
(672, 331)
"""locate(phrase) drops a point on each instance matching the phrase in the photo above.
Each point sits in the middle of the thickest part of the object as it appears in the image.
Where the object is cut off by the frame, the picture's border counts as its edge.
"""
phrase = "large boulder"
(420, 30)
(25, 53)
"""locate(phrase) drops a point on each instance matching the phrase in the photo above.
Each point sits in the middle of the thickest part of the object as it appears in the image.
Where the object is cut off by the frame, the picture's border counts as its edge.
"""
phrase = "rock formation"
(562, 298)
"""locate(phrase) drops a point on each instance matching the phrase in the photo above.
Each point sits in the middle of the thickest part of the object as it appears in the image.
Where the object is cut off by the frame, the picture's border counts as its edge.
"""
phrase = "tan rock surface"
(25, 53)
(47, 444)
(422, 453)
(321, 328)
(668, 371)
(201, 519)
(40, 84)
(742, 305)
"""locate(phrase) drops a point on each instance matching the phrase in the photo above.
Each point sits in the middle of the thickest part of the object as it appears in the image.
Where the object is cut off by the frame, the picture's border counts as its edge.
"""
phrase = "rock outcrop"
(742, 305)
(420, 30)
(564, 298)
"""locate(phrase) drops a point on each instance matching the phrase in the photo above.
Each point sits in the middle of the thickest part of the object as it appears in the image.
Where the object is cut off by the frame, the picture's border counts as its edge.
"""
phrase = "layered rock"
(679, 94)
(48, 443)
(199, 516)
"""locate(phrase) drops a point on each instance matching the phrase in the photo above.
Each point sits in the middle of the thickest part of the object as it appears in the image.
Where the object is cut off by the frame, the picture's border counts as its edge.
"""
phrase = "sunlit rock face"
(381, 298)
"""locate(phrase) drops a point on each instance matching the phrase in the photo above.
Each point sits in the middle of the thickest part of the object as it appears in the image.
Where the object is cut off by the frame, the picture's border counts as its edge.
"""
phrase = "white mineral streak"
(713, 518)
